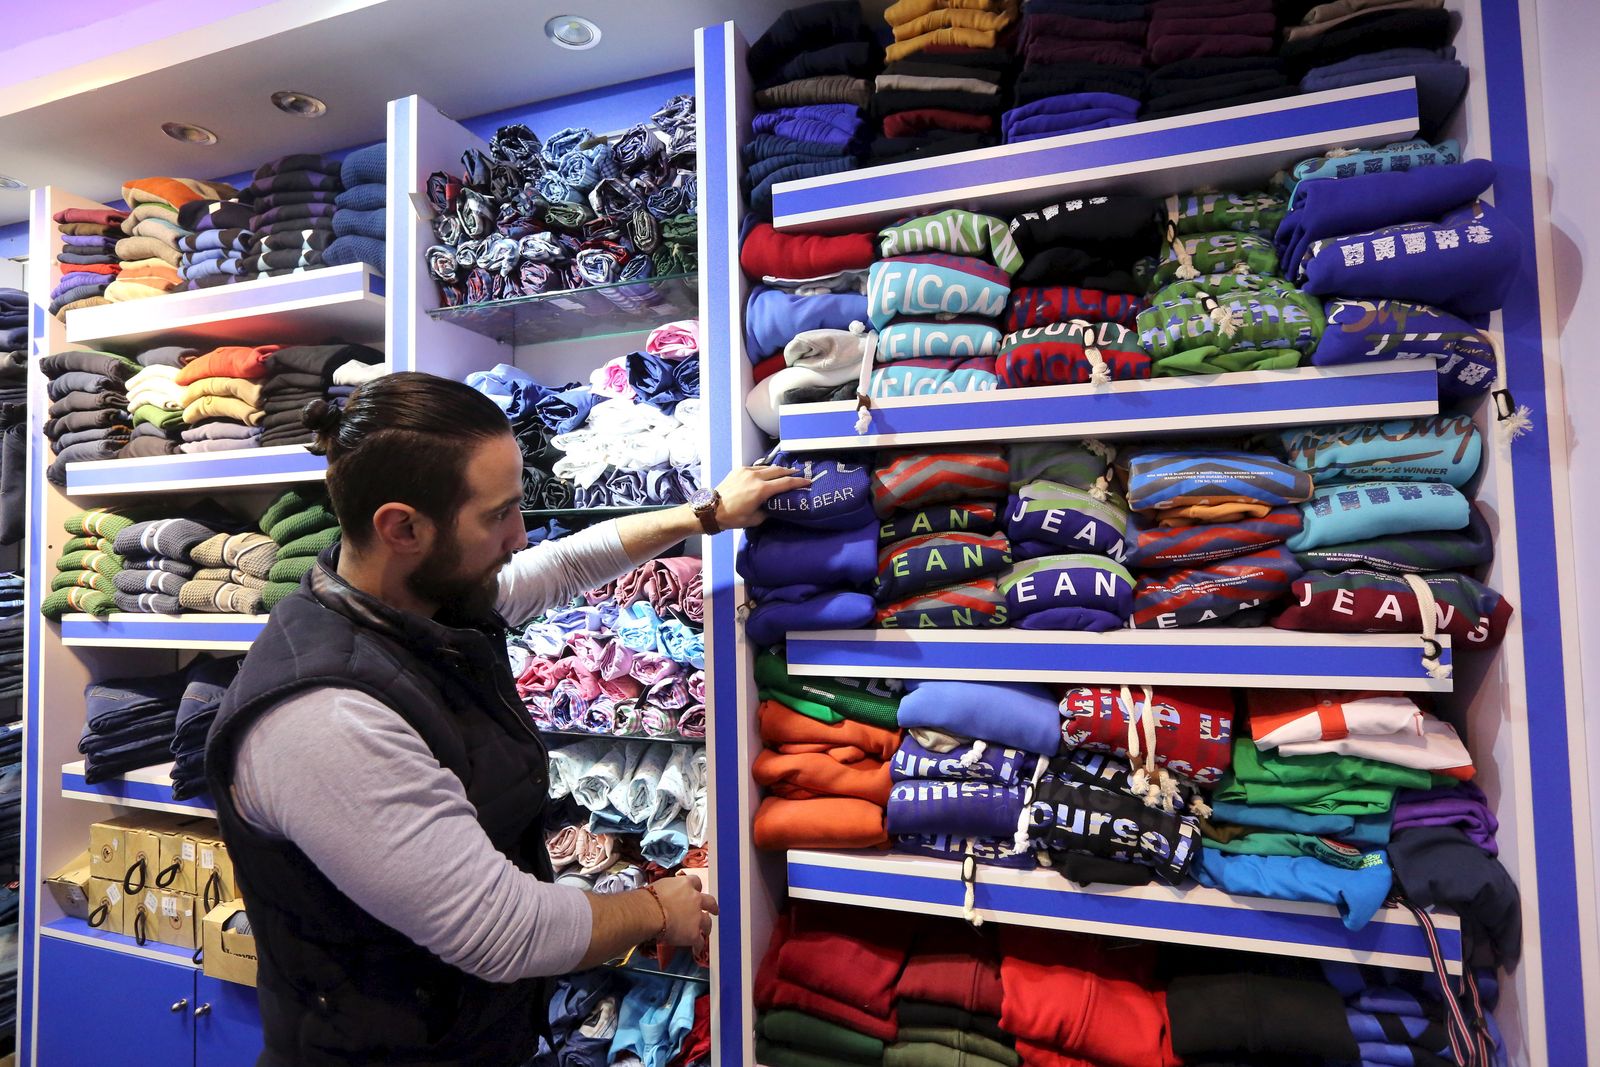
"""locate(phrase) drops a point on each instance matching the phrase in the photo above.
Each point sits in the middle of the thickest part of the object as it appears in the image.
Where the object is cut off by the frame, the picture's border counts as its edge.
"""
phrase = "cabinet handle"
(184, 1003)
(204, 1009)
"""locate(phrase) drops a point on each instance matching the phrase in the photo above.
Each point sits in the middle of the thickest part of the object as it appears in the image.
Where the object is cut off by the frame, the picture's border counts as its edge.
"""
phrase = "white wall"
(1568, 33)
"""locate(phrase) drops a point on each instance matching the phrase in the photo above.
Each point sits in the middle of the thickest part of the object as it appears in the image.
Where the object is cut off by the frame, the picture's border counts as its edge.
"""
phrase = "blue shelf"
(1259, 657)
(1190, 916)
(149, 788)
(80, 931)
(221, 633)
(1232, 147)
(249, 468)
(1252, 400)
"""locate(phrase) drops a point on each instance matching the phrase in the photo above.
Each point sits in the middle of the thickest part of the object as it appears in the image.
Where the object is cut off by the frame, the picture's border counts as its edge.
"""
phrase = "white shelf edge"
(189, 472)
(154, 624)
(157, 776)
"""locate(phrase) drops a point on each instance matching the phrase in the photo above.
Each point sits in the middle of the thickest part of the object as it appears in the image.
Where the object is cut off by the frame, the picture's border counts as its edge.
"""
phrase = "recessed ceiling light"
(188, 133)
(8, 182)
(572, 31)
(303, 105)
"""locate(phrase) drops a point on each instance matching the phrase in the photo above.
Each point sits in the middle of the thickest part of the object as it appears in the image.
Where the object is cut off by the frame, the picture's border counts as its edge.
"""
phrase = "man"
(377, 779)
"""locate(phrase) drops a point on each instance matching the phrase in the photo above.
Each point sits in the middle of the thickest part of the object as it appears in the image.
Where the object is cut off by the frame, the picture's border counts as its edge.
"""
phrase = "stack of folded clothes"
(836, 964)
(576, 211)
(217, 242)
(293, 199)
(205, 680)
(645, 795)
(812, 65)
(830, 526)
(301, 523)
(939, 550)
(150, 251)
(11, 604)
(948, 1001)
(825, 764)
(1389, 539)
(242, 559)
(299, 374)
(965, 773)
(1351, 42)
(1068, 542)
(160, 574)
(223, 388)
(1082, 68)
(13, 412)
(129, 723)
(88, 257)
(1219, 299)
(86, 570)
(1208, 532)
(1212, 54)
(358, 218)
(627, 661)
(155, 402)
(806, 343)
(1073, 297)
(88, 416)
(945, 86)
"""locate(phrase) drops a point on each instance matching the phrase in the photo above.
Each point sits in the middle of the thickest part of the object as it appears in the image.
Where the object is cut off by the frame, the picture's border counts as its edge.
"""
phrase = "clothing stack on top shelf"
(574, 211)
(629, 438)
(810, 71)
(302, 525)
(13, 414)
(293, 199)
(150, 253)
(88, 257)
(609, 1016)
(359, 225)
(299, 374)
(945, 83)
(1212, 54)
(1082, 69)
(88, 416)
(217, 243)
(1353, 42)
(627, 659)
(222, 396)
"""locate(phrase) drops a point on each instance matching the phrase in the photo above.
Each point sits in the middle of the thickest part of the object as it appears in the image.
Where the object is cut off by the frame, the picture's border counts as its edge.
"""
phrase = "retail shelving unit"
(1525, 760)
(202, 471)
(190, 632)
(149, 789)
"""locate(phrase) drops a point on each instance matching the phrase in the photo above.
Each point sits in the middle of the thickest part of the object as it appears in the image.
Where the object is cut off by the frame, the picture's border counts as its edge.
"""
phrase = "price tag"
(187, 852)
(150, 902)
(113, 894)
(208, 858)
(169, 907)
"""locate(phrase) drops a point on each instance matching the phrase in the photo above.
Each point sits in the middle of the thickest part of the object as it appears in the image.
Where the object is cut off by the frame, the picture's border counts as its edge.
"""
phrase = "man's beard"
(441, 580)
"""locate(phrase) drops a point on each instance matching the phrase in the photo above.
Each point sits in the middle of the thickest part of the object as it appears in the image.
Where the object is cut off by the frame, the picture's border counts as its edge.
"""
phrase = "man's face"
(460, 571)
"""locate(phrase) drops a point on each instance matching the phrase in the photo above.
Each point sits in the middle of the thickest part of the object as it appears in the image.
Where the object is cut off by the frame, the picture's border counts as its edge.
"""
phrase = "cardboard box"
(214, 881)
(169, 918)
(179, 848)
(117, 846)
(107, 895)
(70, 886)
(229, 955)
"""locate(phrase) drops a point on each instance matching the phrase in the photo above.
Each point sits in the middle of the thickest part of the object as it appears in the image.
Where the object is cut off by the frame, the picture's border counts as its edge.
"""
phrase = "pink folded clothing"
(675, 340)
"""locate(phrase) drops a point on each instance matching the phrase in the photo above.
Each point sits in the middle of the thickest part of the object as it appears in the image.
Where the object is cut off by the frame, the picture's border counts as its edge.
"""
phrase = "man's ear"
(403, 529)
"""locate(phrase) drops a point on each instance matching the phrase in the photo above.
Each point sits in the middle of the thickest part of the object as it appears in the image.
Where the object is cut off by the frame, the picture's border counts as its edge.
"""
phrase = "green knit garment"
(807, 1033)
(98, 522)
(963, 1040)
(311, 544)
(1216, 252)
(926, 1014)
(291, 570)
(91, 601)
(1272, 325)
(87, 544)
(771, 1054)
(158, 417)
(1257, 213)
(85, 579)
(276, 591)
(311, 520)
(297, 499)
(825, 699)
(107, 563)
(932, 1054)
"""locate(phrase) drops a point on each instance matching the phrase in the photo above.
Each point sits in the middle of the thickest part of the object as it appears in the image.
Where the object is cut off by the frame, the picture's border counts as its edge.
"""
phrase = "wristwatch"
(705, 502)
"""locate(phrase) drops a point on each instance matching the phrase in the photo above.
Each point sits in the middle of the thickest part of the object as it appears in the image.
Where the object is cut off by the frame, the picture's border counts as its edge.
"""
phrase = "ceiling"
(468, 57)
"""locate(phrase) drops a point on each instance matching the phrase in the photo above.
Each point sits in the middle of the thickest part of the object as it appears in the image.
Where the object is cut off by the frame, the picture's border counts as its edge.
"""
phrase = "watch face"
(702, 498)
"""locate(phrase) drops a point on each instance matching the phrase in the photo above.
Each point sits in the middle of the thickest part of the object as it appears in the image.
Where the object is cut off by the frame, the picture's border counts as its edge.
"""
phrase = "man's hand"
(689, 911)
(746, 490)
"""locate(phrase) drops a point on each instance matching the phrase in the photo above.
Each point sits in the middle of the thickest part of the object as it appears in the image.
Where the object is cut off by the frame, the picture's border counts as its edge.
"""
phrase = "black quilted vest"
(336, 986)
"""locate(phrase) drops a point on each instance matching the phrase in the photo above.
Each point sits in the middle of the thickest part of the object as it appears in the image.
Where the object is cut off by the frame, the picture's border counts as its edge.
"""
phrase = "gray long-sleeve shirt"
(355, 788)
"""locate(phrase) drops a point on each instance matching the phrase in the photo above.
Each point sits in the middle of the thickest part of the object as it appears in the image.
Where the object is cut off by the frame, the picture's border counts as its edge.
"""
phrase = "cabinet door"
(227, 1030)
(98, 1005)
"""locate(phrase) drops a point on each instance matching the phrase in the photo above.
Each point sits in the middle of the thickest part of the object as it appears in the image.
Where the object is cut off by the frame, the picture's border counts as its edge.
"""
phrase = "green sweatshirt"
(809, 1034)
(824, 699)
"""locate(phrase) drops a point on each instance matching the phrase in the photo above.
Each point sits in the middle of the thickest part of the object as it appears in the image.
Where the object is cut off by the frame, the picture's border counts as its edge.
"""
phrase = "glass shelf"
(637, 962)
(569, 314)
(583, 735)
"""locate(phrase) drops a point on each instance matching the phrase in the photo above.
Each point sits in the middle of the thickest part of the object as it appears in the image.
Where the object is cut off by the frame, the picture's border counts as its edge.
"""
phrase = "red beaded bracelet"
(651, 889)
